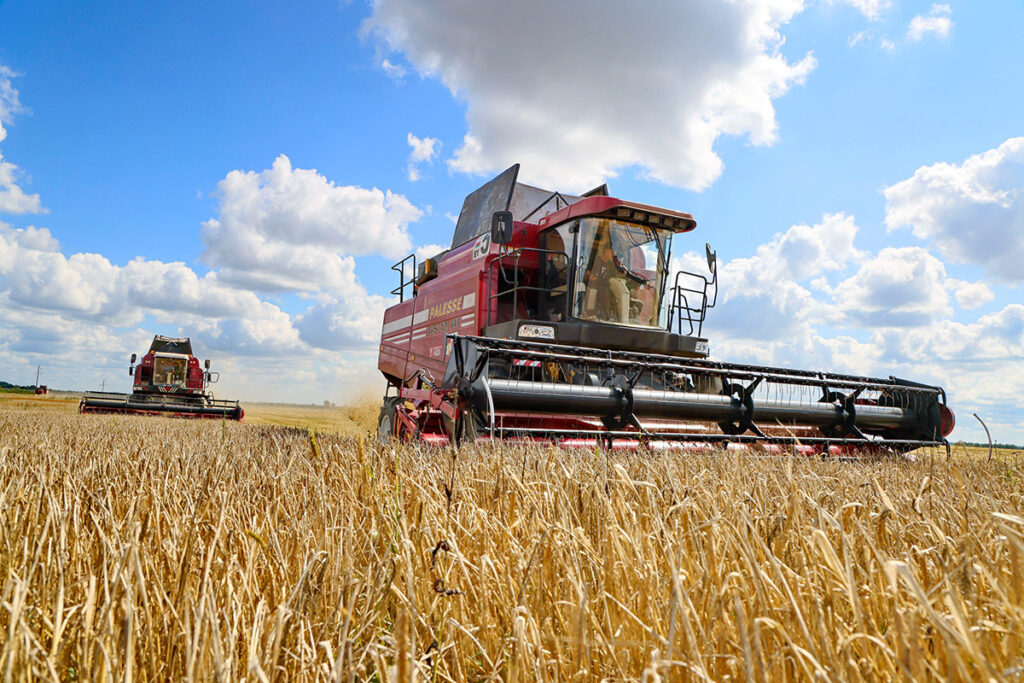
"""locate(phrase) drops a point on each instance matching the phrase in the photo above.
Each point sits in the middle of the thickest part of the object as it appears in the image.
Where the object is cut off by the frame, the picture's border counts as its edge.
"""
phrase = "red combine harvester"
(168, 381)
(553, 318)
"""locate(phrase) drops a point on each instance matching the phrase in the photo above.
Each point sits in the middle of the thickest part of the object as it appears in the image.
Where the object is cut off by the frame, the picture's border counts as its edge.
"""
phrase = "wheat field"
(158, 549)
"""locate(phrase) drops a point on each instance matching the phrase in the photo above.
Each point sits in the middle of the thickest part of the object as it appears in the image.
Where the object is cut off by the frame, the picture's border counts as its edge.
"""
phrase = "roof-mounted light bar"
(650, 218)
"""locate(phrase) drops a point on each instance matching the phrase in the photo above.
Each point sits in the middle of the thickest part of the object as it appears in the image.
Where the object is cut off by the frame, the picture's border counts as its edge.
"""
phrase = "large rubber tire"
(386, 420)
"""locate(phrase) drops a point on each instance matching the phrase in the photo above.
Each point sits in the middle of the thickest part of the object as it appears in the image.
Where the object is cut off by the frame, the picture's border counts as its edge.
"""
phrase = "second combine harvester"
(554, 317)
(167, 381)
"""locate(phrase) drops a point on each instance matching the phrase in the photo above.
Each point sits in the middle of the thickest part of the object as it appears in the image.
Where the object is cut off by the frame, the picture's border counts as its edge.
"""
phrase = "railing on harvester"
(687, 308)
(399, 291)
(514, 281)
(690, 304)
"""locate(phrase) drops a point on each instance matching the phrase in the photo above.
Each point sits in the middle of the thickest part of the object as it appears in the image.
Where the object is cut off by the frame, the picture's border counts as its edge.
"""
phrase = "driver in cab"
(605, 278)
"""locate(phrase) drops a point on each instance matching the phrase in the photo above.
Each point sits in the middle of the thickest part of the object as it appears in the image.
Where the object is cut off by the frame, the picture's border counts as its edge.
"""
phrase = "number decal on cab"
(482, 245)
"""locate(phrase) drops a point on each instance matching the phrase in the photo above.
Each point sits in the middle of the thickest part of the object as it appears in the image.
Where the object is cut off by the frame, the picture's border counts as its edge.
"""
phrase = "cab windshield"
(620, 272)
(169, 370)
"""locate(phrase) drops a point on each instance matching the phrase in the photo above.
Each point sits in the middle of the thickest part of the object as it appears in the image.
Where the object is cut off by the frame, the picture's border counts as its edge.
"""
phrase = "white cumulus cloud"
(81, 316)
(282, 230)
(423, 152)
(36, 275)
(971, 294)
(13, 199)
(394, 71)
(337, 323)
(289, 229)
(872, 9)
(429, 251)
(981, 365)
(997, 336)
(938, 22)
(899, 287)
(973, 212)
(10, 103)
(768, 296)
(858, 37)
(579, 90)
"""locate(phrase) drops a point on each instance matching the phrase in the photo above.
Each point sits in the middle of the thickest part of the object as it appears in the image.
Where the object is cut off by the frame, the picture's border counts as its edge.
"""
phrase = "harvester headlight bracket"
(537, 331)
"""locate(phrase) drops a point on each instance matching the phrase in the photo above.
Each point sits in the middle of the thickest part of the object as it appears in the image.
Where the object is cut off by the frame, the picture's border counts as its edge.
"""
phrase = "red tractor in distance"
(167, 381)
(554, 317)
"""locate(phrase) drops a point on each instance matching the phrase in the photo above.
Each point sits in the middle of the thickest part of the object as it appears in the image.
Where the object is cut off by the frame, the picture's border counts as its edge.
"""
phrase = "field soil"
(162, 549)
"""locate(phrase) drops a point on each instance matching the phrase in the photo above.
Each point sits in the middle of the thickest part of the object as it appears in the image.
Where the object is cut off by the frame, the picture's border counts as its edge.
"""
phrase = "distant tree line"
(1011, 446)
(17, 388)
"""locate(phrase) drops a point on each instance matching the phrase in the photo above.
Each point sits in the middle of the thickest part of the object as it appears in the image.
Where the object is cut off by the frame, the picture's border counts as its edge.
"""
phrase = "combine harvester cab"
(167, 381)
(554, 317)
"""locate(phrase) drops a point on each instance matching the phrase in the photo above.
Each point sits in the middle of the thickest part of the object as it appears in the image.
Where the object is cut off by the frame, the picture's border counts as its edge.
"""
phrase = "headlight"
(537, 331)
(702, 347)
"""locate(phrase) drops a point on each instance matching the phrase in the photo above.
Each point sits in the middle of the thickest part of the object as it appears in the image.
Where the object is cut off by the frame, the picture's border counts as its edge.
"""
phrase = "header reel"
(517, 389)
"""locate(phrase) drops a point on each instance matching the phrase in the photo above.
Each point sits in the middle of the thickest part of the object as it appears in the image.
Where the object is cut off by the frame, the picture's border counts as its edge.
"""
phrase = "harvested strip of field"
(166, 549)
(347, 420)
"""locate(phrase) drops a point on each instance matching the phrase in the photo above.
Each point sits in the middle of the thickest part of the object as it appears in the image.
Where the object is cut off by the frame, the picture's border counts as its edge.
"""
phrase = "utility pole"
(37, 376)
(104, 384)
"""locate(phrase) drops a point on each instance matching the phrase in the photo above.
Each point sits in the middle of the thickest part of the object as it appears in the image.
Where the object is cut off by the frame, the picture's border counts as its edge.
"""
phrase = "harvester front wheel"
(386, 421)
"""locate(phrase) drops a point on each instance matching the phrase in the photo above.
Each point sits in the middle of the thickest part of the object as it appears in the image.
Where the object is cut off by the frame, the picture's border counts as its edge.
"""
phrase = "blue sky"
(246, 174)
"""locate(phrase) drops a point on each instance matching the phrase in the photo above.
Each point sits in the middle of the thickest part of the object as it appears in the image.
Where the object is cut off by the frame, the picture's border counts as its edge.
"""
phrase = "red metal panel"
(414, 331)
(144, 371)
(194, 380)
(394, 348)
(594, 205)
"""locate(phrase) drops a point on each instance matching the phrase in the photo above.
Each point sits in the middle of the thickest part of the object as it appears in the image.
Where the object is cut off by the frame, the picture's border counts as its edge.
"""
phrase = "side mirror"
(501, 227)
(206, 363)
(133, 359)
(712, 258)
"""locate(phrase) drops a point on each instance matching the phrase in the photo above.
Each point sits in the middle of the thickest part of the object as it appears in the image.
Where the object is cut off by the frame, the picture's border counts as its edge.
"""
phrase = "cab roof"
(633, 212)
(547, 208)
(161, 344)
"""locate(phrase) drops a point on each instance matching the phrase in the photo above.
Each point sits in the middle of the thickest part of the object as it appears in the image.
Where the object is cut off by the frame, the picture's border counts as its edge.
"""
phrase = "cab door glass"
(557, 244)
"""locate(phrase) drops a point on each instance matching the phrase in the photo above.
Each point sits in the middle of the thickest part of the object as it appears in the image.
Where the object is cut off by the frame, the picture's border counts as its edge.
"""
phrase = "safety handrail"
(399, 291)
(514, 281)
(680, 307)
